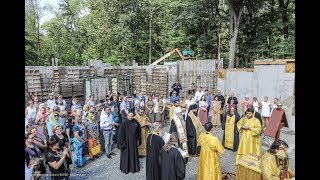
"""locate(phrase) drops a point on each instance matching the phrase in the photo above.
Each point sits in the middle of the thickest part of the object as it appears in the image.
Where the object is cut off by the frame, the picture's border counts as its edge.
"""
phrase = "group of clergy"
(166, 156)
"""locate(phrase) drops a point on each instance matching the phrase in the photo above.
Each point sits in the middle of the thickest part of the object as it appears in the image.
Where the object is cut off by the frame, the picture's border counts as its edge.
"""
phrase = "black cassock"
(154, 145)
(258, 116)
(172, 165)
(191, 136)
(235, 132)
(128, 142)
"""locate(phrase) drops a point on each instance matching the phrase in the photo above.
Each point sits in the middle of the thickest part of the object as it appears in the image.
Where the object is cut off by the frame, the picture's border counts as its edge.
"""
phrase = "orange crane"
(169, 54)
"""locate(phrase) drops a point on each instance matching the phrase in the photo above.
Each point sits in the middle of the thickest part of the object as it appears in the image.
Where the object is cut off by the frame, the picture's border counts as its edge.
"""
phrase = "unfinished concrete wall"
(273, 81)
(267, 79)
(240, 82)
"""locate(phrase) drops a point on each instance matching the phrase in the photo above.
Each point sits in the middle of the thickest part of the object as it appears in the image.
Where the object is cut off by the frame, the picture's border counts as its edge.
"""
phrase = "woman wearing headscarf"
(93, 133)
(80, 138)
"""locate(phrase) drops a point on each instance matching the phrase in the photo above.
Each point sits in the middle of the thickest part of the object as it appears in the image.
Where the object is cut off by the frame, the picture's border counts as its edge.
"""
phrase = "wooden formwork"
(200, 72)
(139, 78)
(33, 82)
(160, 81)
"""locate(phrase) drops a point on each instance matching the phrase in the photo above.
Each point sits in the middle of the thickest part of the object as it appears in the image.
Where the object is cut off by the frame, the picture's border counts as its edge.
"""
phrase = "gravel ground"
(104, 168)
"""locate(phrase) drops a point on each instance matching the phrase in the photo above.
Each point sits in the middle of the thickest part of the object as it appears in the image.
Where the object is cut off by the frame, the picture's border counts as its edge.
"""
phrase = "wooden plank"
(269, 62)
(290, 67)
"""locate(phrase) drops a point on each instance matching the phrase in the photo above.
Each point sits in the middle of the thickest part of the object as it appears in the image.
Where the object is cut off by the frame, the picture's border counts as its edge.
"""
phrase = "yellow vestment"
(171, 113)
(142, 149)
(250, 141)
(197, 124)
(209, 161)
(269, 168)
(229, 131)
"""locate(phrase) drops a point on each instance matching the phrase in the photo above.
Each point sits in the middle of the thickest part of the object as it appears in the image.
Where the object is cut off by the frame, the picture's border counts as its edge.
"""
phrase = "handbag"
(96, 150)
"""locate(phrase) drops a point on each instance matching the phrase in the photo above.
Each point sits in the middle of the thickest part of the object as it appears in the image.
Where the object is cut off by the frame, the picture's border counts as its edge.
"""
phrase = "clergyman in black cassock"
(171, 161)
(192, 133)
(154, 145)
(128, 142)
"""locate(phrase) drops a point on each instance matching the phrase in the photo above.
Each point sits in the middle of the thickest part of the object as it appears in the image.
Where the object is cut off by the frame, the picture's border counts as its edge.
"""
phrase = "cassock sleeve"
(189, 127)
(223, 123)
(122, 138)
(267, 170)
(237, 120)
(256, 128)
(180, 166)
(239, 125)
(219, 148)
(138, 135)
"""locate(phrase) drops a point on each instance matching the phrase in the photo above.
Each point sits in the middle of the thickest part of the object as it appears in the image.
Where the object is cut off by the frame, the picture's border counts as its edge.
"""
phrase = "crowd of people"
(60, 137)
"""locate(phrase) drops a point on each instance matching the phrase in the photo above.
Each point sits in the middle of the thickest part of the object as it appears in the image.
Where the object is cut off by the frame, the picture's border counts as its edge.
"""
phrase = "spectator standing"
(176, 87)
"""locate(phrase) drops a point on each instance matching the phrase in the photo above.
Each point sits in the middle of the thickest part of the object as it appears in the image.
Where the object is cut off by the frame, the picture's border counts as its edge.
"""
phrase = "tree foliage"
(118, 32)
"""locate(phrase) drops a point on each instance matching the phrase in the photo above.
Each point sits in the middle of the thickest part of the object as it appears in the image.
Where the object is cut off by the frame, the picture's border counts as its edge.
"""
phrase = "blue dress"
(78, 146)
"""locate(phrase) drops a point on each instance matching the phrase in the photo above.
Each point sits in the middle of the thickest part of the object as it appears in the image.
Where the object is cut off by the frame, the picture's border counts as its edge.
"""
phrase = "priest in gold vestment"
(274, 163)
(250, 128)
(143, 120)
(211, 150)
(230, 138)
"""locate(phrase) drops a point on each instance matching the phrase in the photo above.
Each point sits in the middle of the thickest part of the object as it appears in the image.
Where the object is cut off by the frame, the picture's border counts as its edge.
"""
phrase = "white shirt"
(197, 96)
(105, 121)
(90, 103)
(188, 103)
(265, 109)
(202, 104)
(156, 107)
(62, 107)
(155, 100)
(31, 112)
(51, 103)
(255, 105)
(64, 103)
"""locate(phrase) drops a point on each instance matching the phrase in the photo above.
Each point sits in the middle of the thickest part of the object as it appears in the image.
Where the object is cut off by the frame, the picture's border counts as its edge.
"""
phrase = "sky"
(46, 14)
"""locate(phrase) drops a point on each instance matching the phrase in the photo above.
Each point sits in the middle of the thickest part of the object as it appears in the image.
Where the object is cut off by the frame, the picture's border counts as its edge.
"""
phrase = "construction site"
(274, 78)
(269, 77)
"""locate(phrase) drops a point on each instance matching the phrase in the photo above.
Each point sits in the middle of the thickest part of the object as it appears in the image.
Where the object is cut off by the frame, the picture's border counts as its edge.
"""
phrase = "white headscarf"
(103, 114)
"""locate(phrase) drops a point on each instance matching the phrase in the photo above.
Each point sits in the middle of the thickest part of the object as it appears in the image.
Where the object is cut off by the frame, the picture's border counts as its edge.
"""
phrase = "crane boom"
(169, 54)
